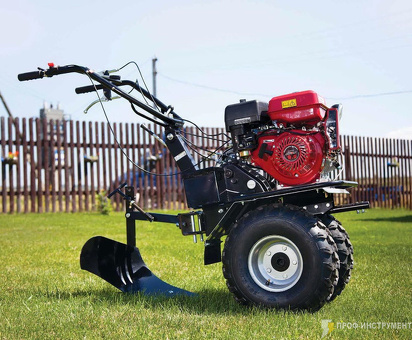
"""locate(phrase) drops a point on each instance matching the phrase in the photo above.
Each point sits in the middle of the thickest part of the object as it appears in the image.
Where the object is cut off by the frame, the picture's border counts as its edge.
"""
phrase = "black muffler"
(123, 267)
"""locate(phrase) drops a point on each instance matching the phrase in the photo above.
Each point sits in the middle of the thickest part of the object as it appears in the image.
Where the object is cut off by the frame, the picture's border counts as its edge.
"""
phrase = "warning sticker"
(288, 103)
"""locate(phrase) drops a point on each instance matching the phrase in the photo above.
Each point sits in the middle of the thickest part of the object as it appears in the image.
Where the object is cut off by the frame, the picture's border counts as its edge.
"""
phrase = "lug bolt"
(269, 270)
(294, 262)
(285, 276)
(268, 253)
(284, 248)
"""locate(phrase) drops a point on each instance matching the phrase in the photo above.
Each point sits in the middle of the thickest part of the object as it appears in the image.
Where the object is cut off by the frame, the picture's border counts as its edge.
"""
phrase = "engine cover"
(292, 158)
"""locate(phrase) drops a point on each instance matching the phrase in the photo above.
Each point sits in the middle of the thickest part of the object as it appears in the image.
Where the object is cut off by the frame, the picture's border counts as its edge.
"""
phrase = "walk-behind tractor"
(269, 193)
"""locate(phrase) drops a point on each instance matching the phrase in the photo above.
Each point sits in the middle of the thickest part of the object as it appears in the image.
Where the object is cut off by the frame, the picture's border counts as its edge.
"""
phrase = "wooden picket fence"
(382, 168)
(64, 166)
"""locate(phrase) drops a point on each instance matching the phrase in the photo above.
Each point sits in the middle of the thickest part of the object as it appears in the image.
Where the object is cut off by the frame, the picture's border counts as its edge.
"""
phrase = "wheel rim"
(275, 263)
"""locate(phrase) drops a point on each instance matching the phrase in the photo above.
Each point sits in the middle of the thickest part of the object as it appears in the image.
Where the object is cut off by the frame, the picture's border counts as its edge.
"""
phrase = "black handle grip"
(31, 75)
(92, 88)
(86, 89)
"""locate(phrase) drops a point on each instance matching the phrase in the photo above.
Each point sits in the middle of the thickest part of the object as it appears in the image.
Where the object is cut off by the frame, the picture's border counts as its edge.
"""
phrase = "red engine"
(294, 138)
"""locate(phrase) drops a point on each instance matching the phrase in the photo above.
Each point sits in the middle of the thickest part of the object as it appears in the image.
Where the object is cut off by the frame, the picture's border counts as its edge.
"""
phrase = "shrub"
(103, 203)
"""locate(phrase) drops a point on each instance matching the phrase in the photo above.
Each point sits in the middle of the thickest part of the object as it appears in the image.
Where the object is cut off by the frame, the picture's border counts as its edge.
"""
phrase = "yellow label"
(288, 103)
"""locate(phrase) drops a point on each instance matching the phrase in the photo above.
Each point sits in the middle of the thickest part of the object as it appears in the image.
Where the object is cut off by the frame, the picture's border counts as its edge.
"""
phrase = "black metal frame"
(216, 220)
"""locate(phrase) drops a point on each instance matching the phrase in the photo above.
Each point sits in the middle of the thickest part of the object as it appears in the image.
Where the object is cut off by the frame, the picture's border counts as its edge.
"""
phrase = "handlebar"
(91, 88)
(52, 71)
(111, 83)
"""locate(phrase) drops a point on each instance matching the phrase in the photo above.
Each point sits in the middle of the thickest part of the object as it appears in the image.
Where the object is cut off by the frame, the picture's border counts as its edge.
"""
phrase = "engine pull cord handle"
(131, 202)
(263, 150)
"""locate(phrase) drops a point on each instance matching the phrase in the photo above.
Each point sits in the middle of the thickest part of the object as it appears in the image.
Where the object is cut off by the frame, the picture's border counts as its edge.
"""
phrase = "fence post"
(3, 166)
(348, 165)
(25, 157)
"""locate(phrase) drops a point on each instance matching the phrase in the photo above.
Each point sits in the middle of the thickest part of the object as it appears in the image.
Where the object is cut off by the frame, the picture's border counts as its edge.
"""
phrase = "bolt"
(327, 205)
(127, 215)
(269, 270)
(294, 262)
(251, 184)
(228, 173)
(316, 206)
(220, 211)
(284, 248)
(169, 136)
(268, 253)
(285, 276)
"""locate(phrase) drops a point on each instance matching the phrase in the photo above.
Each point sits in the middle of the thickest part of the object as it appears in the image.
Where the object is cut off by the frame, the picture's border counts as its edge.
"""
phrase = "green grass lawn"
(45, 295)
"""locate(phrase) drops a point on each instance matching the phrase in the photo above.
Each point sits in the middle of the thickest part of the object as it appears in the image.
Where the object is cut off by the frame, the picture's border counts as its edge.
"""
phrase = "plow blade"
(123, 267)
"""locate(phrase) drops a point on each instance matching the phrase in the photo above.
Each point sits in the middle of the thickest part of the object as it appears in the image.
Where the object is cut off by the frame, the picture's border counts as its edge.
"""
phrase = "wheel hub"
(280, 262)
(275, 263)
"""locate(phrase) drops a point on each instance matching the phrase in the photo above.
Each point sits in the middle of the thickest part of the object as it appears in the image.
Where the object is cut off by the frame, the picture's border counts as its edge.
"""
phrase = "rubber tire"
(320, 261)
(345, 253)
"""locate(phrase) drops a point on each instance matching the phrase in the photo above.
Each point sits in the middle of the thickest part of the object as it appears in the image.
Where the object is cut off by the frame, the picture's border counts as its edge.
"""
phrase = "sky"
(213, 53)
